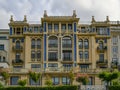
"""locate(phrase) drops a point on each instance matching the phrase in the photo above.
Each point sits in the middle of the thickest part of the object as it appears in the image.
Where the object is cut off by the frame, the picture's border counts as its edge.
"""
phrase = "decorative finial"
(107, 18)
(25, 18)
(11, 19)
(74, 13)
(45, 13)
(93, 20)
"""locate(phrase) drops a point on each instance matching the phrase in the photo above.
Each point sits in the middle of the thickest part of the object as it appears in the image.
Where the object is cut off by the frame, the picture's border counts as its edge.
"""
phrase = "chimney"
(45, 13)
(25, 18)
(93, 20)
(11, 19)
(74, 13)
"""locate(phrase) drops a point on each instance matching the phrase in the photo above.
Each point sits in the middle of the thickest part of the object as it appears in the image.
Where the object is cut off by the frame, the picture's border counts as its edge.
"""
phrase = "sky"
(34, 9)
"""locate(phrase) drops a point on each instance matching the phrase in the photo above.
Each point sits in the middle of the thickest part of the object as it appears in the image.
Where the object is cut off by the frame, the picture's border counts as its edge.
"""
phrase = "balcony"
(101, 49)
(114, 65)
(84, 62)
(52, 59)
(17, 48)
(102, 62)
(19, 70)
(67, 60)
(17, 61)
(67, 46)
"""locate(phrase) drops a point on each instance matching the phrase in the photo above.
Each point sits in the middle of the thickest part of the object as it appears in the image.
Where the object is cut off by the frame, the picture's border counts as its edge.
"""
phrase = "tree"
(48, 81)
(83, 78)
(35, 76)
(71, 76)
(5, 76)
(108, 76)
(22, 82)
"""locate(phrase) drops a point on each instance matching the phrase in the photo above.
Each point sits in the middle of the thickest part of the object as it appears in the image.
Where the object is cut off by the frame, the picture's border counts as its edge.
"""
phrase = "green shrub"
(22, 82)
(42, 88)
(115, 87)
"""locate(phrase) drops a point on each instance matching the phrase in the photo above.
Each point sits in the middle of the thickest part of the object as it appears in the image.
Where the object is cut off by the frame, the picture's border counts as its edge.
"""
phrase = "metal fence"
(92, 87)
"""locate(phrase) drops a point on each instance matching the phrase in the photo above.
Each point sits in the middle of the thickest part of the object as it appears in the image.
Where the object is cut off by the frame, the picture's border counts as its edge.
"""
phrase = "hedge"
(41, 88)
(114, 87)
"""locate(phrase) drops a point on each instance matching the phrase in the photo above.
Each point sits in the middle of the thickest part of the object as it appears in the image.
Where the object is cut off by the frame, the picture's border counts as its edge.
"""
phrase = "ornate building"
(58, 45)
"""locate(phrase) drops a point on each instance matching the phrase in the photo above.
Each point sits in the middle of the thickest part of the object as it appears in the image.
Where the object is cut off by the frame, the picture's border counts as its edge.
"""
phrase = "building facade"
(58, 45)
(4, 48)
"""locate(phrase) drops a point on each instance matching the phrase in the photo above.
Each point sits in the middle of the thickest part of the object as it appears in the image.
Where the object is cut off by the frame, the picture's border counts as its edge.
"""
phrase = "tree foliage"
(83, 79)
(35, 76)
(6, 76)
(71, 76)
(108, 76)
(22, 82)
(48, 81)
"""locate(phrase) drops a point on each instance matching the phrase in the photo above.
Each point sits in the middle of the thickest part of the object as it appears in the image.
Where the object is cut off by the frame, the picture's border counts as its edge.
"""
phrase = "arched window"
(53, 42)
(67, 42)
(101, 45)
(86, 44)
(80, 43)
(17, 44)
(33, 43)
(38, 43)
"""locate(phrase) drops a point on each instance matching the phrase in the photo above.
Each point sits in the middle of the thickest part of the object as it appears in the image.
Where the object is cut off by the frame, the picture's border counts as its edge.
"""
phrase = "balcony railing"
(52, 59)
(53, 45)
(17, 48)
(101, 48)
(114, 64)
(102, 62)
(17, 61)
(67, 45)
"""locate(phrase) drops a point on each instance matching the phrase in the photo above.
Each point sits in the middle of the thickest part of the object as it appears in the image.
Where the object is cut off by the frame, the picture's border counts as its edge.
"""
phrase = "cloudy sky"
(34, 9)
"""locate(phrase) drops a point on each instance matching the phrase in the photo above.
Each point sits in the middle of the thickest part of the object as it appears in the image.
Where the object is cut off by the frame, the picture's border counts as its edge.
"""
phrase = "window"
(17, 56)
(115, 49)
(65, 80)
(0, 59)
(1, 47)
(52, 56)
(18, 31)
(86, 44)
(56, 27)
(63, 27)
(81, 54)
(80, 44)
(3, 37)
(49, 26)
(101, 57)
(14, 80)
(35, 29)
(13, 40)
(53, 42)
(17, 44)
(67, 42)
(55, 80)
(33, 43)
(33, 54)
(67, 55)
(114, 39)
(31, 82)
(38, 43)
(101, 45)
(69, 26)
(35, 66)
(102, 30)
(84, 68)
(52, 65)
(38, 55)
(3, 59)
(86, 54)
(67, 67)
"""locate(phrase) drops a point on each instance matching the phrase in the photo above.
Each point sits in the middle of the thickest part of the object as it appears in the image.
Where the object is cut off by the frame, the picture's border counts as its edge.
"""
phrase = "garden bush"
(67, 87)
